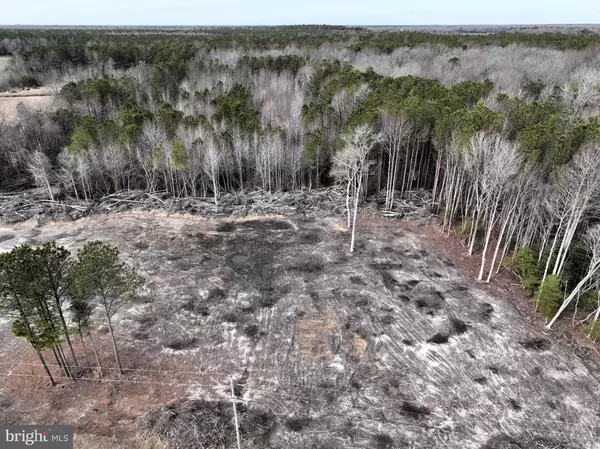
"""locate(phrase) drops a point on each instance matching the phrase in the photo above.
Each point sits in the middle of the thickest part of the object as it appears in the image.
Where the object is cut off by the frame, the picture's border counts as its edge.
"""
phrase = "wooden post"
(233, 399)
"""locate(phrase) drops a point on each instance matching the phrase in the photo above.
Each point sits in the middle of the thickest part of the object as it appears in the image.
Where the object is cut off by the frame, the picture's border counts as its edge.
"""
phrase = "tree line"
(52, 297)
(127, 47)
(514, 176)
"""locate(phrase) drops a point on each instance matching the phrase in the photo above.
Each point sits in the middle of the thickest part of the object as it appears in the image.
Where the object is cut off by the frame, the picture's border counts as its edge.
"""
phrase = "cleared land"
(38, 98)
(4, 60)
(389, 347)
(9, 104)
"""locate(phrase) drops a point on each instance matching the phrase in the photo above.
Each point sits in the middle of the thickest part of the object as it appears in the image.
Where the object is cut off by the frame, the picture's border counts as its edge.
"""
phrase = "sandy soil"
(8, 105)
(38, 98)
(4, 60)
(393, 346)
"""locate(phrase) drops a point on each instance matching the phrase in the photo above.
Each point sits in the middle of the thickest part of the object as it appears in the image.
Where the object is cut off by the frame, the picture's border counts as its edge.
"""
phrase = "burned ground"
(390, 347)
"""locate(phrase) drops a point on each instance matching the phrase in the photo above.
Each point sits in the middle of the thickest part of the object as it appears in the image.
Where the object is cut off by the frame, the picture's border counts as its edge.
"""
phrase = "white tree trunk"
(355, 212)
(574, 293)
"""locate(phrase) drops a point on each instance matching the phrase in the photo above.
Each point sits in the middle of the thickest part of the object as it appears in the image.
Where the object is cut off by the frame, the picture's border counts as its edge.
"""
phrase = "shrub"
(251, 330)
(533, 88)
(524, 264)
(536, 344)
(231, 317)
(589, 301)
(309, 264)
(268, 299)
(383, 441)
(415, 410)
(192, 424)
(296, 424)
(593, 330)
(29, 81)
(180, 342)
(465, 230)
(549, 296)
(256, 426)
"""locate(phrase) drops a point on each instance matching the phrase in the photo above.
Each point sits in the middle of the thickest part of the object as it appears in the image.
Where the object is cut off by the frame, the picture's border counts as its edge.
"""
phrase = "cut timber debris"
(321, 202)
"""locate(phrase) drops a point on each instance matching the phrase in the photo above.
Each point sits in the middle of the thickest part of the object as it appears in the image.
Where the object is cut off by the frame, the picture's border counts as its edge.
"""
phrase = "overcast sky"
(275, 12)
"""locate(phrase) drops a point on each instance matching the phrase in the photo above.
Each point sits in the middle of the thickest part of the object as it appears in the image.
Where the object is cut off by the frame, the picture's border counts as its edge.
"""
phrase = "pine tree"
(106, 279)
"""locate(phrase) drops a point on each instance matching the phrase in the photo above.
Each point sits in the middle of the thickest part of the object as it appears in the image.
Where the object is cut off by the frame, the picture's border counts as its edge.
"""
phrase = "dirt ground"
(4, 61)
(33, 98)
(394, 346)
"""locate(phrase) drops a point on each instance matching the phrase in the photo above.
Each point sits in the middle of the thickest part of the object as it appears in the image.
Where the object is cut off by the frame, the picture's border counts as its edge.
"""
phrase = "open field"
(4, 60)
(387, 348)
(38, 98)
(9, 104)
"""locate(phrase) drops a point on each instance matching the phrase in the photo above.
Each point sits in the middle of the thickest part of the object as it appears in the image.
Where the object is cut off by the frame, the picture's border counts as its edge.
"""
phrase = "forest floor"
(394, 346)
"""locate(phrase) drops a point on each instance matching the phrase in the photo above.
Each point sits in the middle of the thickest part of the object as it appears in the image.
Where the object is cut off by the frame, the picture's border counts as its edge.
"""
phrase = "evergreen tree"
(549, 296)
(24, 299)
(101, 275)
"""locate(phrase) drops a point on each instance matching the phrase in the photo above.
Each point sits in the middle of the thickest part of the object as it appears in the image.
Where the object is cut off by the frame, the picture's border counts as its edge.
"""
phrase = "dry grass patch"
(359, 344)
(8, 105)
(339, 228)
(315, 335)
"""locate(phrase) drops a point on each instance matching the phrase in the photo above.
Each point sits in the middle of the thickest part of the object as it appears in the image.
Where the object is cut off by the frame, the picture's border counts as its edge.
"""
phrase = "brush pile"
(317, 202)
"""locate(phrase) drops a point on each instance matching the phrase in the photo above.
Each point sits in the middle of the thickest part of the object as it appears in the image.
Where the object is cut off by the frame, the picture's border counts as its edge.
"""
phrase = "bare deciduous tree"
(395, 131)
(351, 165)
(575, 194)
(592, 238)
(212, 164)
(40, 168)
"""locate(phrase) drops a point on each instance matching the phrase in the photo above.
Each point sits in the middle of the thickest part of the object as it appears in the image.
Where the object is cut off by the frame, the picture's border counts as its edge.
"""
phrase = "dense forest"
(502, 129)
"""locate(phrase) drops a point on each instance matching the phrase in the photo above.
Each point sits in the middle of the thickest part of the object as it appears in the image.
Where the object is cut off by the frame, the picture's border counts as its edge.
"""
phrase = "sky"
(283, 12)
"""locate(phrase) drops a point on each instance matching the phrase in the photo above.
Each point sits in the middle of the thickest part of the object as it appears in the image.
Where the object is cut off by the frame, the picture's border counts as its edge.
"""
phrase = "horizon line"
(305, 24)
